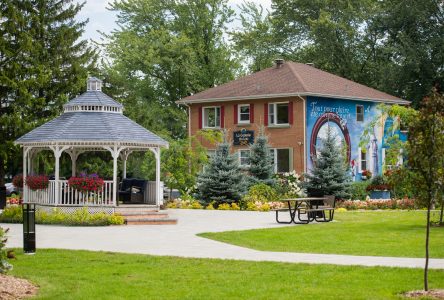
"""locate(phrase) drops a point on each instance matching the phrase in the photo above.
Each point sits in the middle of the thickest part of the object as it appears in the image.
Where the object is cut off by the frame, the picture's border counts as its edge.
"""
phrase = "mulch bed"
(12, 288)
(434, 294)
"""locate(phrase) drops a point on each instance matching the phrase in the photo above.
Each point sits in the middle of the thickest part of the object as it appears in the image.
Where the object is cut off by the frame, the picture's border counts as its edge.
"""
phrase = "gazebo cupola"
(92, 121)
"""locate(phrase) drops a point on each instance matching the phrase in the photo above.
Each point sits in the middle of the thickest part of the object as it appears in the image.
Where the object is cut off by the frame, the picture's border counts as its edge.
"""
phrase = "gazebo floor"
(144, 215)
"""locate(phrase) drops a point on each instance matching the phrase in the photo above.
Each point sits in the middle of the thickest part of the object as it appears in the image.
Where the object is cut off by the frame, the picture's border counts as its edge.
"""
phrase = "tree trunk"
(426, 268)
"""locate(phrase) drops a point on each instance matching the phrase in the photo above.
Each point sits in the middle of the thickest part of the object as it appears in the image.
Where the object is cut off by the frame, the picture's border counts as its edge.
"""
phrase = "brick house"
(294, 102)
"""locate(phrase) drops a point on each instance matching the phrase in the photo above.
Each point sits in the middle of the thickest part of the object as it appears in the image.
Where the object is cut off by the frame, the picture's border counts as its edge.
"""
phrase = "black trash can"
(29, 228)
(2, 197)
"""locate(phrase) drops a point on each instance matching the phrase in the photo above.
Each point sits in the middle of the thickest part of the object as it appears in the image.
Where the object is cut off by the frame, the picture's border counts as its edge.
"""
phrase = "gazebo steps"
(145, 216)
(147, 221)
(148, 215)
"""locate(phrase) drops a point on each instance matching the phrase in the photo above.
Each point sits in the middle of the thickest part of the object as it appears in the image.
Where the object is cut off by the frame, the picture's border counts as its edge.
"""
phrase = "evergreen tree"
(42, 65)
(261, 164)
(329, 173)
(222, 180)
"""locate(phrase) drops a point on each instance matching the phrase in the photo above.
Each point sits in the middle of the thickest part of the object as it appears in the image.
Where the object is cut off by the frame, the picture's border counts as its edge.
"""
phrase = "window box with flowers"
(86, 183)
(37, 182)
(366, 174)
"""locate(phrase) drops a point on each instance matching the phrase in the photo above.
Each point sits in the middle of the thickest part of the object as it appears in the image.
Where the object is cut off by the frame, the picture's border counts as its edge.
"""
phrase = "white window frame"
(290, 159)
(360, 160)
(240, 157)
(363, 113)
(204, 117)
(274, 114)
(239, 114)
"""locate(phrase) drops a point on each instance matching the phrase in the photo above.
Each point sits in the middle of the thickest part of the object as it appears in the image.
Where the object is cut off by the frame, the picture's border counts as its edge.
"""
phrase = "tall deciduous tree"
(426, 159)
(164, 51)
(43, 63)
(329, 173)
(255, 41)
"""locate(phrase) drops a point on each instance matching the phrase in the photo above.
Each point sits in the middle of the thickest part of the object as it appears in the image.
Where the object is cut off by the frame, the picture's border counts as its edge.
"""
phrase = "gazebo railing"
(68, 196)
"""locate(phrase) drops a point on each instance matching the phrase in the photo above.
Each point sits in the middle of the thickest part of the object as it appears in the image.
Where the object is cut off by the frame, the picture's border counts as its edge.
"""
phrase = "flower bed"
(377, 204)
(37, 182)
(81, 217)
(86, 183)
(251, 206)
(13, 201)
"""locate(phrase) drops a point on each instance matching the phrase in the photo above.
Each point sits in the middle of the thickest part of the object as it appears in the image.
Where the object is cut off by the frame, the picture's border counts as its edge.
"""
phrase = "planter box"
(380, 195)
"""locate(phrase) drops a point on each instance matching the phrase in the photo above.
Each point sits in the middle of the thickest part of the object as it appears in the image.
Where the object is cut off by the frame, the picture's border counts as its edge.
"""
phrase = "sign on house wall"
(347, 119)
(243, 137)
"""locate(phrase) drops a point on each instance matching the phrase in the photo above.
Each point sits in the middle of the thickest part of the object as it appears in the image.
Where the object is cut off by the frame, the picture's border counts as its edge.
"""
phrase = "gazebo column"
(159, 193)
(58, 150)
(115, 152)
(74, 154)
(124, 156)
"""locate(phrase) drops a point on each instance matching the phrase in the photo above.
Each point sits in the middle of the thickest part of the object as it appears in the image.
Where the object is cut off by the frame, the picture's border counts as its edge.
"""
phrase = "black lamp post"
(29, 228)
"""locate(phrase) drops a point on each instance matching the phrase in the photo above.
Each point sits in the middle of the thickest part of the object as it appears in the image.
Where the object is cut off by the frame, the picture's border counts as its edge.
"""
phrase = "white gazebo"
(92, 121)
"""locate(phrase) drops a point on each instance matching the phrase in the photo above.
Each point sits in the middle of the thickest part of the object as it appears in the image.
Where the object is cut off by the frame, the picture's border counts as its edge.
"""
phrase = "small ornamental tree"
(425, 158)
(329, 173)
(222, 180)
(261, 164)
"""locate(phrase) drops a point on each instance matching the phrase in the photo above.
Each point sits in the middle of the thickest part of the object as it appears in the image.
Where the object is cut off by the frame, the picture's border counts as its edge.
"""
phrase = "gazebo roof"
(92, 118)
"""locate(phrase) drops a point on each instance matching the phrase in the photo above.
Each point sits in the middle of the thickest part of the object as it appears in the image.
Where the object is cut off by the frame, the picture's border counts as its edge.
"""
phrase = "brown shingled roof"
(291, 79)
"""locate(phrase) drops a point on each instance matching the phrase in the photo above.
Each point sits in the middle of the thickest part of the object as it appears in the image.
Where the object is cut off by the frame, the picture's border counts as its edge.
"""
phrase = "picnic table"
(314, 209)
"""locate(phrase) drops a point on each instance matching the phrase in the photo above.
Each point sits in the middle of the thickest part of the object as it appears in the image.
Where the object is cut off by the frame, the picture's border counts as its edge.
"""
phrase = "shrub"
(196, 205)
(235, 206)
(358, 190)
(224, 206)
(12, 214)
(210, 206)
(5, 266)
(81, 217)
(289, 184)
(261, 192)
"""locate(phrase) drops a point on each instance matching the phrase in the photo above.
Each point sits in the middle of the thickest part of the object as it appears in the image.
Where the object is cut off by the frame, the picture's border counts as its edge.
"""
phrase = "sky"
(101, 19)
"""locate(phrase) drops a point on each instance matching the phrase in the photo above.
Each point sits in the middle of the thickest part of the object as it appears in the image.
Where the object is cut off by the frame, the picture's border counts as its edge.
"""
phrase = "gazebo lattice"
(92, 121)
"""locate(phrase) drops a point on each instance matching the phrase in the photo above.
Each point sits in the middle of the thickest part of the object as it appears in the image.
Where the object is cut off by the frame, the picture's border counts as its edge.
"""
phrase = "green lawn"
(379, 233)
(63, 274)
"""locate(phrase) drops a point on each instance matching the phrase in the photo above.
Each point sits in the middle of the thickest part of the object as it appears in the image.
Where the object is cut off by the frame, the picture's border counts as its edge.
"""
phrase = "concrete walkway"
(181, 240)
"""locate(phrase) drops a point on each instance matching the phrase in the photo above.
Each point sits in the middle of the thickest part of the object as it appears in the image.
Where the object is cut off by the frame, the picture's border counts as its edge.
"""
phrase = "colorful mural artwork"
(348, 120)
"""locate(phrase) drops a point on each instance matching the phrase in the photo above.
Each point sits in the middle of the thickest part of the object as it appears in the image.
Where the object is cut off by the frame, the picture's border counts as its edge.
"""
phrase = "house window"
(244, 158)
(244, 113)
(363, 160)
(278, 113)
(281, 159)
(360, 113)
(211, 117)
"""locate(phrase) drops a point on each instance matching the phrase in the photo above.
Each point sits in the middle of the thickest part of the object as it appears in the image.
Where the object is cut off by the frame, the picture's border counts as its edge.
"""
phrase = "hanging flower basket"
(37, 182)
(86, 183)
(17, 181)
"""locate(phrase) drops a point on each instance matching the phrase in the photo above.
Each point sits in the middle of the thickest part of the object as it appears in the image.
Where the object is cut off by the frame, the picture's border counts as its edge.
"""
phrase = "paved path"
(181, 240)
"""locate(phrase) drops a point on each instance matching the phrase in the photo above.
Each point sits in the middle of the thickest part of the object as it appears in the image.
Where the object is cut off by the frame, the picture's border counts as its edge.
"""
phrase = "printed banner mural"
(347, 119)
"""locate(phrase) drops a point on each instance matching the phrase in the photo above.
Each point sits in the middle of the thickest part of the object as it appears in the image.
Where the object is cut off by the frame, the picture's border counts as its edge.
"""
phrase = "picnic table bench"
(313, 208)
